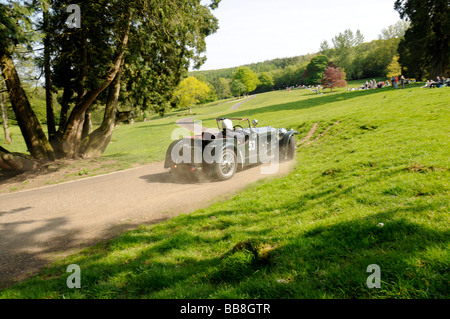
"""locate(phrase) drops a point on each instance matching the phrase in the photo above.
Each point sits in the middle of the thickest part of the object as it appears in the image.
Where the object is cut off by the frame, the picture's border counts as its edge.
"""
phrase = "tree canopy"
(238, 88)
(394, 68)
(247, 77)
(333, 77)
(425, 47)
(136, 52)
(190, 91)
(314, 70)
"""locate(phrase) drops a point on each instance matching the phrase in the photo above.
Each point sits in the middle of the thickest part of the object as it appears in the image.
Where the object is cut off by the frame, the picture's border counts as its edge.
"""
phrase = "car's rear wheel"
(226, 166)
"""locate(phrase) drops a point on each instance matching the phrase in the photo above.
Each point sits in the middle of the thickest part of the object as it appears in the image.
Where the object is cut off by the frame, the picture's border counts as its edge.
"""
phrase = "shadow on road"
(24, 254)
(168, 178)
(16, 210)
(24, 242)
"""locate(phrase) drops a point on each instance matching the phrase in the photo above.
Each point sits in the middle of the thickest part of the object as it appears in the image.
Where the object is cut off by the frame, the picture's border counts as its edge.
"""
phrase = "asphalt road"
(41, 224)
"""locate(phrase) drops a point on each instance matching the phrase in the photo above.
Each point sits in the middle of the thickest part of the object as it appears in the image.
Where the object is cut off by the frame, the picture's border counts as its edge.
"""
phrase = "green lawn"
(374, 189)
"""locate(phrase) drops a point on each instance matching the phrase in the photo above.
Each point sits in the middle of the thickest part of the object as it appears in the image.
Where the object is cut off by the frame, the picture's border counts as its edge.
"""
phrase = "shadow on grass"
(173, 262)
(334, 258)
(151, 125)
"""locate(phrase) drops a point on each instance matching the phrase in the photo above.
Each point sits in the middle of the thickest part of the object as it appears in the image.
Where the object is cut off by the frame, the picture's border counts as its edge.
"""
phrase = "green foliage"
(16, 25)
(222, 88)
(346, 53)
(246, 77)
(394, 68)
(266, 82)
(359, 59)
(315, 69)
(425, 47)
(376, 57)
(397, 30)
(238, 88)
(190, 92)
(164, 40)
(146, 47)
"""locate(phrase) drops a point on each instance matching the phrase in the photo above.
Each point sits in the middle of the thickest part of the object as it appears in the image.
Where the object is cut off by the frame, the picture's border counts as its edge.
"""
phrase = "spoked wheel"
(226, 166)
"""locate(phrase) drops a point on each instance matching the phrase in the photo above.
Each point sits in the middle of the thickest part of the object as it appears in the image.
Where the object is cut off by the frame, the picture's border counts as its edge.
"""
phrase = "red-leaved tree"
(333, 77)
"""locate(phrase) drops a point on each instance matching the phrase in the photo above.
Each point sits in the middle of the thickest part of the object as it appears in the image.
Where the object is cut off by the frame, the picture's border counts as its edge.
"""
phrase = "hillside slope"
(371, 187)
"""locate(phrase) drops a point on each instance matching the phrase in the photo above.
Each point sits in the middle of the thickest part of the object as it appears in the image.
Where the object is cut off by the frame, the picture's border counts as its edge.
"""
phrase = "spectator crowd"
(438, 83)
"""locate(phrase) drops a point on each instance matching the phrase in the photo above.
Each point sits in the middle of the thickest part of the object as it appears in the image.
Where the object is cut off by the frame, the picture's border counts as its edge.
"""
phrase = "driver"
(227, 125)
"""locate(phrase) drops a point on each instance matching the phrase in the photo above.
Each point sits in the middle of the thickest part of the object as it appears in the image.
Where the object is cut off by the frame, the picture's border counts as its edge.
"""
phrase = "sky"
(253, 31)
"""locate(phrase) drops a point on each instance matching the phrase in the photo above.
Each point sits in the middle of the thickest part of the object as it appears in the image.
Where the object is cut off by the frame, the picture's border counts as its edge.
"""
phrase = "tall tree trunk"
(64, 108)
(71, 139)
(87, 126)
(5, 120)
(35, 138)
(51, 124)
(95, 144)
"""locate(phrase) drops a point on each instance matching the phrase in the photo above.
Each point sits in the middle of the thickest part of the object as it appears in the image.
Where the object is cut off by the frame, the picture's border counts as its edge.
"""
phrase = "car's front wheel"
(226, 166)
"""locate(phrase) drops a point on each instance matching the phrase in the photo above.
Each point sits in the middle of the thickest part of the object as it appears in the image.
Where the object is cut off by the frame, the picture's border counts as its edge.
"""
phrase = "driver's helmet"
(227, 124)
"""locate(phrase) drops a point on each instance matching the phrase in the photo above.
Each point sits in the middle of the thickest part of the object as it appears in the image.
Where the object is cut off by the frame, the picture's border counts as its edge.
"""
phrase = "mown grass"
(373, 189)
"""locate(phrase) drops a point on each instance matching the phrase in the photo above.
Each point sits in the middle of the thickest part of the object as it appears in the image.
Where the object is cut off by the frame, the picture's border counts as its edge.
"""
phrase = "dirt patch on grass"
(420, 168)
(307, 139)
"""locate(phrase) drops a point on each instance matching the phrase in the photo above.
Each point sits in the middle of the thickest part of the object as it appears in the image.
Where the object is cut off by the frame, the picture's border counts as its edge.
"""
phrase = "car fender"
(168, 160)
(284, 140)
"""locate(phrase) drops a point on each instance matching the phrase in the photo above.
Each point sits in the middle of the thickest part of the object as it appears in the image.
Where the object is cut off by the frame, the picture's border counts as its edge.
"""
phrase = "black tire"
(291, 149)
(226, 166)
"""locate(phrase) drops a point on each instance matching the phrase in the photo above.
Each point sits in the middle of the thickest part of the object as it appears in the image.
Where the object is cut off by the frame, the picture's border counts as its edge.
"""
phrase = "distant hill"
(360, 61)
(258, 67)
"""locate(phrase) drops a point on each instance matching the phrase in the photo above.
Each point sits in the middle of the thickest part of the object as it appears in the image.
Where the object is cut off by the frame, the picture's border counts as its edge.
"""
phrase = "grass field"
(372, 189)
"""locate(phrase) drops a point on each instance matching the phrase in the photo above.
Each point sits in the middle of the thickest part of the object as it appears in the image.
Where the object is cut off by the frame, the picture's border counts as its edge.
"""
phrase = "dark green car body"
(220, 153)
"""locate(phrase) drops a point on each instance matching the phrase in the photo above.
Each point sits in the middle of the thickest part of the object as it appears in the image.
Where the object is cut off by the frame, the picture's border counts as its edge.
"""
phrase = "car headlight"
(282, 131)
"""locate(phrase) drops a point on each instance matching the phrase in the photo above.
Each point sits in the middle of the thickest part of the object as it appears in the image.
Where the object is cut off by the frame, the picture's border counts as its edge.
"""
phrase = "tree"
(394, 68)
(246, 77)
(397, 30)
(427, 41)
(266, 82)
(377, 56)
(324, 48)
(190, 91)
(222, 87)
(238, 88)
(17, 29)
(346, 52)
(131, 51)
(5, 119)
(333, 77)
(314, 70)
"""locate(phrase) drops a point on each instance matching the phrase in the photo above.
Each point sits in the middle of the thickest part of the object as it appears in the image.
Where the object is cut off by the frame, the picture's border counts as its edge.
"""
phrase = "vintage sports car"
(235, 145)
